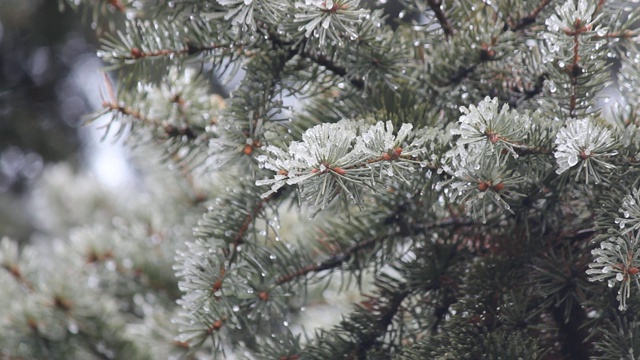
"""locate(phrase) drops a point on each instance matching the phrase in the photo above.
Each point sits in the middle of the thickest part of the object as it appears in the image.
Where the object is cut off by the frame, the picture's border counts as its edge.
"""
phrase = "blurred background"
(49, 81)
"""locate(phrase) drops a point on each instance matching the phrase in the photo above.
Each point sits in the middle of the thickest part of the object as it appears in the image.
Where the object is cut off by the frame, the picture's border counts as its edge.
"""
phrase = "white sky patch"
(106, 156)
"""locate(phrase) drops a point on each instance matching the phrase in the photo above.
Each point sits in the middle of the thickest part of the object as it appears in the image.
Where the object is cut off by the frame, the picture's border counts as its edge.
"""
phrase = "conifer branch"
(441, 311)
(445, 24)
(239, 237)
(537, 88)
(531, 17)
(16, 273)
(331, 263)
(574, 70)
(169, 130)
(599, 7)
(324, 61)
(314, 56)
(136, 53)
(464, 72)
(336, 260)
(574, 335)
(624, 34)
(385, 312)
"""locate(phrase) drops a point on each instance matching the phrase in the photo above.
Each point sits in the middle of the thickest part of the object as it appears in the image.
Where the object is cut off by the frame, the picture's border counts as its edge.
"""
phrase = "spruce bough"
(454, 164)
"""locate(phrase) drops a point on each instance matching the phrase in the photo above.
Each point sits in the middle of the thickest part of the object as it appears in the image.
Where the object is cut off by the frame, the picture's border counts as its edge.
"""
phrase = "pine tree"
(458, 165)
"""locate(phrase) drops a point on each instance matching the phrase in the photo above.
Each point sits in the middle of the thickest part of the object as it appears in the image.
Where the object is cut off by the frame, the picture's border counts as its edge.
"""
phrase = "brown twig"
(531, 17)
(323, 60)
(574, 70)
(337, 260)
(136, 53)
(624, 34)
(170, 130)
(117, 5)
(445, 24)
(598, 7)
(330, 263)
(386, 314)
(15, 271)
(238, 239)
(315, 57)
(463, 72)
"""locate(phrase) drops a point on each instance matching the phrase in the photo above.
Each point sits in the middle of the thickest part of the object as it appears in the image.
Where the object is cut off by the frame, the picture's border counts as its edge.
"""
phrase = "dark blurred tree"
(40, 107)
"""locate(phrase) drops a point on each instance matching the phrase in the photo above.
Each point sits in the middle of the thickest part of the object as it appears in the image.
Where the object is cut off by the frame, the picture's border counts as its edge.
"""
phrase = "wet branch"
(343, 257)
(531, 17)
(445, 24)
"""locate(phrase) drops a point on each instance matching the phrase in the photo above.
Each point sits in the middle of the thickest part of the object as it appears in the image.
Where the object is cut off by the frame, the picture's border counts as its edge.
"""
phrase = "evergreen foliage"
(452, 164)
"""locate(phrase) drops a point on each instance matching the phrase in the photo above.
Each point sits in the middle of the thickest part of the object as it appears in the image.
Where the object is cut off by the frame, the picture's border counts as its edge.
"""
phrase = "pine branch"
(239, 237)
(486, 52)
(332, 263)
(325, 61)
(523, 149)
(169, 130)
(529, 18)
(599, 7)
(574, 70)
(573, 335)
(314, 56)
(445, 24)
(624, 34)
(336, 260)
(189, 49)
(537, 88)
(148, 47)
(361, 335)
(16, 273)
(385, 314)
(460, 75)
